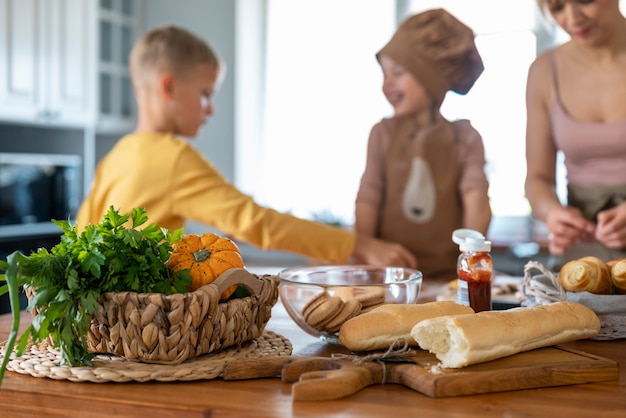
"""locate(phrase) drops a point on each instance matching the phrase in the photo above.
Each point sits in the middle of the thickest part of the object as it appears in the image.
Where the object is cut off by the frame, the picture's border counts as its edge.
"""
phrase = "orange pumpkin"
(206, 256)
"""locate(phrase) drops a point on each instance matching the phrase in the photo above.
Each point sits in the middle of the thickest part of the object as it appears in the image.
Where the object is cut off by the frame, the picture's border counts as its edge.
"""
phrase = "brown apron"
(590, 201)
(422, 204)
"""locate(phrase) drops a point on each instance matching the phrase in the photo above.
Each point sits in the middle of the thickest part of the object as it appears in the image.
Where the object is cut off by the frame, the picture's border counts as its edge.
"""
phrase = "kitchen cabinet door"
(20, 46)
(71, 60)
(46, 62)
(118, 29)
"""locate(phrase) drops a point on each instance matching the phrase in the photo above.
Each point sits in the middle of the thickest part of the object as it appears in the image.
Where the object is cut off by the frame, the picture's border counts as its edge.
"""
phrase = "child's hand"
(369, 250)
(568, 226)
(611, 228)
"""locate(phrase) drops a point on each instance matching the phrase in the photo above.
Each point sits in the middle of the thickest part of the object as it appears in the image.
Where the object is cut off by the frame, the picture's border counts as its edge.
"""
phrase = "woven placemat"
(43, 360)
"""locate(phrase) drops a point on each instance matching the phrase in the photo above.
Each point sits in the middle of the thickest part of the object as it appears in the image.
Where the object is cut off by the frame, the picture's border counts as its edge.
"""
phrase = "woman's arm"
(566, 225)
(541, 151)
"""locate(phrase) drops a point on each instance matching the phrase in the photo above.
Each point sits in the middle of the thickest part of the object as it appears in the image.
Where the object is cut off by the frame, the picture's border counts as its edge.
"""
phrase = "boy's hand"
(369, 250)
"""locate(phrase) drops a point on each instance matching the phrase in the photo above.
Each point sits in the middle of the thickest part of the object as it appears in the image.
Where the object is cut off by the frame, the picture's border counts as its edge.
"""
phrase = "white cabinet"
(118, 29)
(47, 59)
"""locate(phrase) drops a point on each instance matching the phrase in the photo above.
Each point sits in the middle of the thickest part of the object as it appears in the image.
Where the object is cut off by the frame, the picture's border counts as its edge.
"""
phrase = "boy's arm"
(370, 192)
(476, 210)
(473, 186)
(370, 250)
(202, 194)
(365, 219)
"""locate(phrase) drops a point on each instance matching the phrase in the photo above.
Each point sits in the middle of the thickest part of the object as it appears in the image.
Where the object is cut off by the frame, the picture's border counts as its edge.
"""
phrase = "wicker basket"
(544, 288)
(169, 329)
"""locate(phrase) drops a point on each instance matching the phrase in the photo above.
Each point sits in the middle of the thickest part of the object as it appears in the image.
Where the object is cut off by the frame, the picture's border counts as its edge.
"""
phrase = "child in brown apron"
(424, 175)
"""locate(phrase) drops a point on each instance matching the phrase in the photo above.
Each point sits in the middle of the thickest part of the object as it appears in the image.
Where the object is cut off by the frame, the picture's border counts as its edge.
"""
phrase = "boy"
(424, 175)
(175, 75)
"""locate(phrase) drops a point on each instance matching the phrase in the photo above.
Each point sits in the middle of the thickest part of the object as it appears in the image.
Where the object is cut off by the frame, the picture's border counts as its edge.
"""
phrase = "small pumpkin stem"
(201, 255)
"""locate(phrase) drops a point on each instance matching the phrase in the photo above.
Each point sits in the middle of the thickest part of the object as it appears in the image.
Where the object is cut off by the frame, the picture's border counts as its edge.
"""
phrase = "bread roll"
(587, 274)
(618, 275)
(611, 263)
(461, 340)
(380, 327)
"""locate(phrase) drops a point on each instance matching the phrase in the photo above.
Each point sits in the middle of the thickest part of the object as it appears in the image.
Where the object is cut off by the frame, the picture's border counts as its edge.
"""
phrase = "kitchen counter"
(27, 396)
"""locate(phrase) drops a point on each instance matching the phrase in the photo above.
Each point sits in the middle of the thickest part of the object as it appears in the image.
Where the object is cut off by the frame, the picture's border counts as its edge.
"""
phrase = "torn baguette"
(379, 328)
(461, 340)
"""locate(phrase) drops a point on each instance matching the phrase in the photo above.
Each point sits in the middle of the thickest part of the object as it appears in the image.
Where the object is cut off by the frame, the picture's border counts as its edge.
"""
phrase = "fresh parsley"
(113, 256)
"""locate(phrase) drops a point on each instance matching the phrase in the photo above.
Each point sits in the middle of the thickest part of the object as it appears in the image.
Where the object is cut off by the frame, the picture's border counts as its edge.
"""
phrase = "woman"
(576, 103)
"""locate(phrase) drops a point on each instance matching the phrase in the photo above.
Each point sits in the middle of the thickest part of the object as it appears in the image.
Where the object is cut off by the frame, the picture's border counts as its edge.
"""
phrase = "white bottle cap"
(475, 244)
(460, 235)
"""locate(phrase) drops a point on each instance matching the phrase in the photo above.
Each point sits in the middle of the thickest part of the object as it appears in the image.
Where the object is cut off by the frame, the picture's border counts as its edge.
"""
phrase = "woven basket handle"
(543, 293)
(238, 276)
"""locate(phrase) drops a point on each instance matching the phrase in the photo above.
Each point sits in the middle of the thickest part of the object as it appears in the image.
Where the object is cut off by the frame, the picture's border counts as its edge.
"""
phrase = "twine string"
(398, 351)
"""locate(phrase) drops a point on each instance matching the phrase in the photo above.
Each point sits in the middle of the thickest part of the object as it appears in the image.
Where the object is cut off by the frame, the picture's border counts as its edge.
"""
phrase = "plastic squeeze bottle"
(474, 269)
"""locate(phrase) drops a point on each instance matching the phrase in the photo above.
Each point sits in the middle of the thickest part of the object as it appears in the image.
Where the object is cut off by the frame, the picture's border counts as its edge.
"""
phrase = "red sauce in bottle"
(476, 271)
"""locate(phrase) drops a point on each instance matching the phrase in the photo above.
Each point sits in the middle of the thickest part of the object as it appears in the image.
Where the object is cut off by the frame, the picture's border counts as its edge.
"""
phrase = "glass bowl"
(319, 299)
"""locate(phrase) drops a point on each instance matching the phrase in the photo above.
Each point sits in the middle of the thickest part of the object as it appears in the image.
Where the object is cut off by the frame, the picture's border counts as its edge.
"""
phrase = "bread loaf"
(586, 274)
(461, 340)
(618, 275)
(382, 326)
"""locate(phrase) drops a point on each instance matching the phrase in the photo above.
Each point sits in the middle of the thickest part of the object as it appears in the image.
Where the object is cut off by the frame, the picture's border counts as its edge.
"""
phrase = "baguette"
(618, 275)
(586, 274)
(379, 328)
(461, 340)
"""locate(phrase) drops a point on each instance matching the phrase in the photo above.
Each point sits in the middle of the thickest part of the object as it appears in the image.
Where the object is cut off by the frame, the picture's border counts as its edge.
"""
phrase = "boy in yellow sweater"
(175, 75)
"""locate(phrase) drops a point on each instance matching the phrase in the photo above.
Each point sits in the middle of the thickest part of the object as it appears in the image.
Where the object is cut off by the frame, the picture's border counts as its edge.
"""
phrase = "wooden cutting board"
(544, 367)
(321, 378)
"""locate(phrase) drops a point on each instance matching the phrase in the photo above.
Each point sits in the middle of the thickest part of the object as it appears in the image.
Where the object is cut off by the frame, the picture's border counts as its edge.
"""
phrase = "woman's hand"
(611, 228)
(567, 226)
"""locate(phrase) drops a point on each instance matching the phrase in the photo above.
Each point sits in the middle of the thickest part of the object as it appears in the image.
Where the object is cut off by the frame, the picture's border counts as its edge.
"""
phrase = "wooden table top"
(27, 396)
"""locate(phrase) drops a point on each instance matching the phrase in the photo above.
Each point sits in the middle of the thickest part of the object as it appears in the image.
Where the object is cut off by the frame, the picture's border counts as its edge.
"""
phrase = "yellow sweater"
(175, 183)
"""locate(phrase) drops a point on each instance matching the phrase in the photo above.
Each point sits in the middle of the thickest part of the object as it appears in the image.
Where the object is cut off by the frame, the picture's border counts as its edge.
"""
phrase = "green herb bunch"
(68, 280)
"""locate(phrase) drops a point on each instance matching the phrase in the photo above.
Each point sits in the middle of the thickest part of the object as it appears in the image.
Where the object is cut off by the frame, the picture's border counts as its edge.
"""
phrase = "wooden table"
(26, 396)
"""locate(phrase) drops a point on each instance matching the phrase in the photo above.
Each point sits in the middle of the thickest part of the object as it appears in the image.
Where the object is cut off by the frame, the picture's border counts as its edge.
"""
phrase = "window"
(323, 94)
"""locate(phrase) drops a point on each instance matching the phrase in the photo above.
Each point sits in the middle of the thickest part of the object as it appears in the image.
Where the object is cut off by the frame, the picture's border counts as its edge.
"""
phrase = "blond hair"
(172, 49)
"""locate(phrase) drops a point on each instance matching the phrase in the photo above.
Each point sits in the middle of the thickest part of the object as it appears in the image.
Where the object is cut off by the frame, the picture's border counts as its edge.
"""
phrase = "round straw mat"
(45, 361)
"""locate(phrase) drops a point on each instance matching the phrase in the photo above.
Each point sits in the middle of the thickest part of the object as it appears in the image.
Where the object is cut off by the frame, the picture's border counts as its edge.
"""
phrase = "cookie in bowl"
(322, 298)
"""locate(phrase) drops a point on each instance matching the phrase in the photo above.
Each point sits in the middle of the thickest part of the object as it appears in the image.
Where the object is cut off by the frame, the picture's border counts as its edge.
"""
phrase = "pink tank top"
(595, 153)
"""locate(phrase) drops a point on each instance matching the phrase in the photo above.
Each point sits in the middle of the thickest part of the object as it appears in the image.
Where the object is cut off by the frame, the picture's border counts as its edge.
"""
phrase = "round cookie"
(350, 309)
(324, 312)
(370, 296)
(366, 309)
(314, 303)
(344, 292)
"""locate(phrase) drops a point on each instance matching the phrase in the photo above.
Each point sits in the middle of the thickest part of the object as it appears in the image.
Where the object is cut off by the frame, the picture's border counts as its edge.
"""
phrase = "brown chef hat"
(438, 50)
